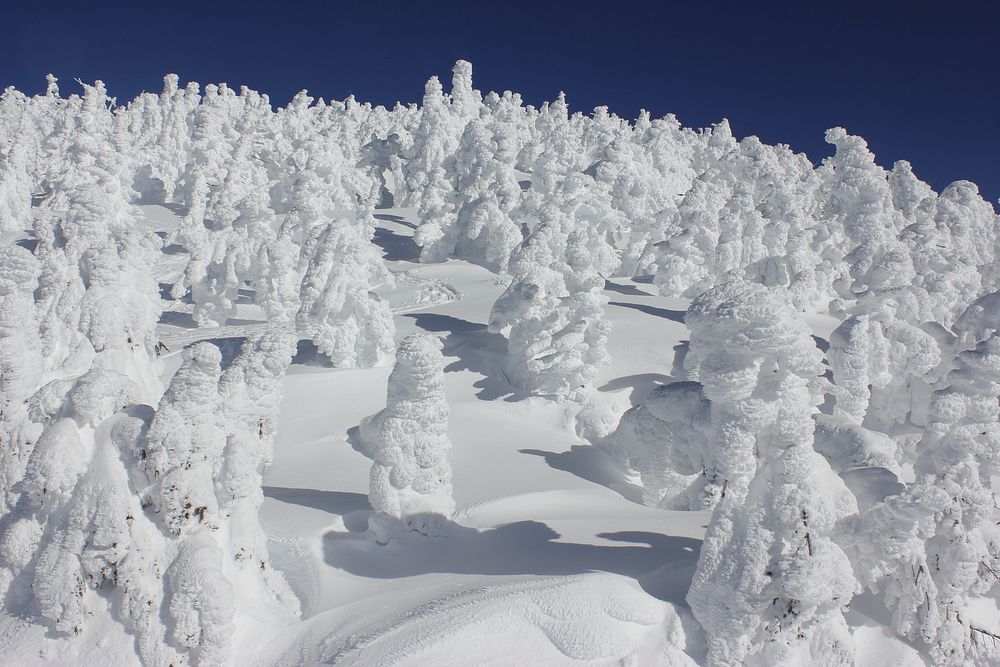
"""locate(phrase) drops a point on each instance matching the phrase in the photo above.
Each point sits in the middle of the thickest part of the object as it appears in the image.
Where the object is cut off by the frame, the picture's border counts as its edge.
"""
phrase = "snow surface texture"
(473, 382)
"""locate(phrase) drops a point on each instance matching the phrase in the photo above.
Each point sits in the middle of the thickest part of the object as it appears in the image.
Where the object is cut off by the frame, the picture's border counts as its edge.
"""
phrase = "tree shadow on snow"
(174, 249)
(177, 319)
(165, 289)
(307, 354)
(244, 296)
(641, 384)
(398, 219)
(230, 348)
(592, 464)
(27, 244)
(672, 315)
(477, 350)
(176, 209)
(353, 438)
(521, 548)
(333, 502)
(628, 290)
(353, 508)
(396, 247)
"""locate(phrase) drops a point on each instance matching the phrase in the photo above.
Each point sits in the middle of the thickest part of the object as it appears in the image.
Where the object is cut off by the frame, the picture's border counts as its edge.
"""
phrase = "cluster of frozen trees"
(115, 490)
(812, 503)
(868, 467)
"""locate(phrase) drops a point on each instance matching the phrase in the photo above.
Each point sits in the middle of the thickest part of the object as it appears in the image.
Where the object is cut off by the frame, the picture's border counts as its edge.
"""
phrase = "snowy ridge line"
(355, 644)
(442, 617)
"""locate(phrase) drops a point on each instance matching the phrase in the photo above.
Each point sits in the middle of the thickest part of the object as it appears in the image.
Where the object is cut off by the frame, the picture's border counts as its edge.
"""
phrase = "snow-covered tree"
(408, 442)
(960, 554)
(858, 210)
(20, 365)
(250, 396)
(434, 142)
(486, 194)
(347, 321)
(661, 440)
(183, 449)
(200, 606)
(557, 336)
(770, 582)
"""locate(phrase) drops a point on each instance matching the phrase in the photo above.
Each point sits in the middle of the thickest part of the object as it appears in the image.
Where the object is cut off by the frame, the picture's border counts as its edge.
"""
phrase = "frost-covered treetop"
(743, 316)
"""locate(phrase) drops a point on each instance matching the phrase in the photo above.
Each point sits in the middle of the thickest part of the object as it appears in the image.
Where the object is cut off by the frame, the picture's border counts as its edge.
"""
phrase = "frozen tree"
(211, 140)
(979, 321)
(486, 192)
(465, 100)
(20, 365)
(183, 449)
(685, 266)
(960, 554)
(347, 322)
(951, 246)
(554, 308)
(78, 526)
(173, 140)
(433, 156)
(201, 600)
(278, 288)
(908, 191)
(88, 543)
(882, 356)
(886, 546)
(770, 581)
(15, 188)
(241, 225)
(408, 440)
(661, 440)
(434, 142)
(250, 395)
(640, 192)
(858, 212)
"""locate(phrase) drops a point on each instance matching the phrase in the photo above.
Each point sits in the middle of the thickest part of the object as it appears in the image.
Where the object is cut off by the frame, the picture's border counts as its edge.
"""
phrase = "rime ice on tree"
(408, 440)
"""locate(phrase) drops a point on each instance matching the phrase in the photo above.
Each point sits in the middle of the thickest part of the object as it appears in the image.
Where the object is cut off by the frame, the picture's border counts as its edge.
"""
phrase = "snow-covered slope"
(473, 382)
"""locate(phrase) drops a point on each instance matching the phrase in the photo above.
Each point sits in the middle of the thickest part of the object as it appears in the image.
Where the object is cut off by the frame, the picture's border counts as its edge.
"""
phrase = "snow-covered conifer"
(770, 582)
(183, 448)
(465, 100)
(554, 308)
(408, 440)
(486, 193)
(961, 544)
(200, 603)
(250, 395)
(348, 323)
(661, 440)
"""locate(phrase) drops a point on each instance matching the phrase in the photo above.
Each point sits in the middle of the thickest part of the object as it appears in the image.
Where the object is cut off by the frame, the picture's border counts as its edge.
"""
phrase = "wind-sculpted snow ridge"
(596, 619)
(811, 351)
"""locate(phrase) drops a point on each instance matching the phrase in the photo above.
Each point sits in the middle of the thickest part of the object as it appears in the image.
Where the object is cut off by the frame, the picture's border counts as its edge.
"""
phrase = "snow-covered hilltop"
(205, 459)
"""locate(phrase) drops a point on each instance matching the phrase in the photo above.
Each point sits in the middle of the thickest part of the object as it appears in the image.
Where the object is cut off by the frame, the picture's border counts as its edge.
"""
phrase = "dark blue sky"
(920, 80)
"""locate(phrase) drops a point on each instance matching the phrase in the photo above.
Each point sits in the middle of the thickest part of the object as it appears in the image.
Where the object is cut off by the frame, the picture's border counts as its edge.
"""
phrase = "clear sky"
(920, 80)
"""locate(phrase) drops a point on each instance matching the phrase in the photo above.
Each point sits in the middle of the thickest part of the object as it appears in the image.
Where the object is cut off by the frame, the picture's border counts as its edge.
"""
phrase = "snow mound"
(591, 619)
